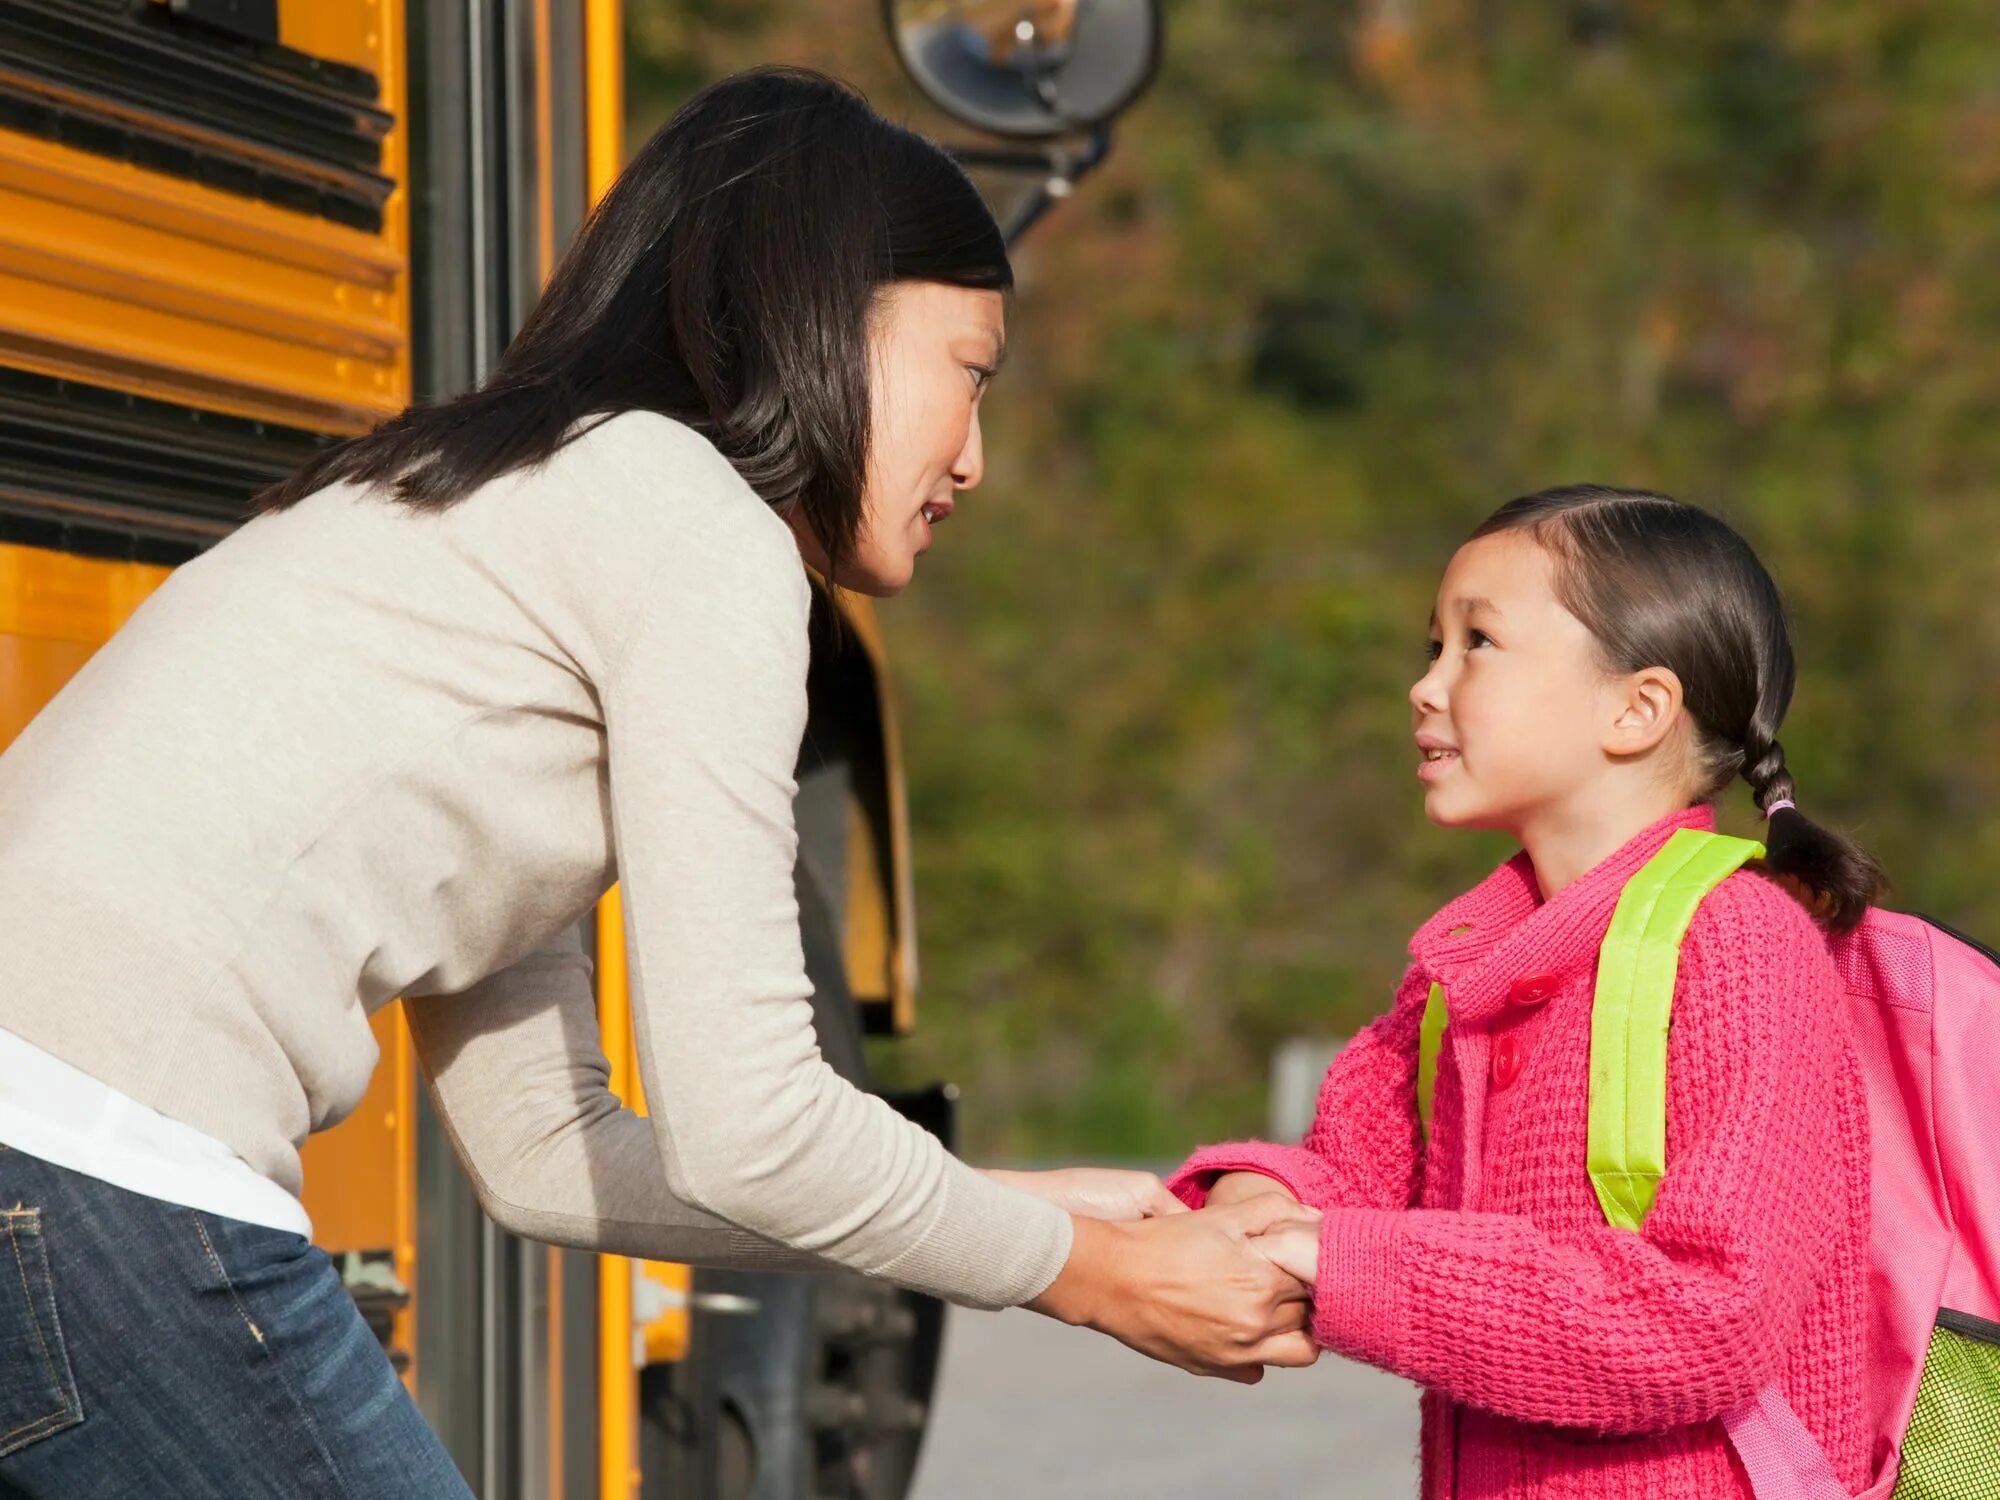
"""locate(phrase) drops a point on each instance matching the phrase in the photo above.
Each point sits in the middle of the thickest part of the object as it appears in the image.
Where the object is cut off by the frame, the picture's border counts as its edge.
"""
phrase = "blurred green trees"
(1357, 273)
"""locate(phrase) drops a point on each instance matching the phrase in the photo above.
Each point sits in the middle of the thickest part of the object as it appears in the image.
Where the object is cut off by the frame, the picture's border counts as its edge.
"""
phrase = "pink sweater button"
(1508, 1055)
(1533, 989)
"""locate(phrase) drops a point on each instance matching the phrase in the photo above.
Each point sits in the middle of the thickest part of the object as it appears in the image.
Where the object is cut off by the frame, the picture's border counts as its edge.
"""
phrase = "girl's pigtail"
(1834, 877)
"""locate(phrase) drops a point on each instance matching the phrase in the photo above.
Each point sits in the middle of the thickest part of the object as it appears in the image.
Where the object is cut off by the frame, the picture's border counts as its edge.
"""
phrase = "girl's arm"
(1364, 1148)
(1623, 1332)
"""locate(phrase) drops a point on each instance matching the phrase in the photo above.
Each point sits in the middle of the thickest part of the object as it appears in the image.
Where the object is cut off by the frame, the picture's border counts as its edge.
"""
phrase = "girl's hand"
(1097, 1192)
(1293, 1247)
(1240, 1187)
(1190, 1290)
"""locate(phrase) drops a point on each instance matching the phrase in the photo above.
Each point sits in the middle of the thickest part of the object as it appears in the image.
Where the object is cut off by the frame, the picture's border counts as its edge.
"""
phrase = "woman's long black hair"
(727, 281)
(1661, 583)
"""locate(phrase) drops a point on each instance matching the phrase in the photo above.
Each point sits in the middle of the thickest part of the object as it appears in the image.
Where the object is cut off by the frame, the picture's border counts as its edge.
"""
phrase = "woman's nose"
(970, 465)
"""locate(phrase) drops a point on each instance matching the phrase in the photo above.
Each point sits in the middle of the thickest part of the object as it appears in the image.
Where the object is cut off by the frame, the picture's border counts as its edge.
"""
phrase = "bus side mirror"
(1028, 69)
(1032, 71)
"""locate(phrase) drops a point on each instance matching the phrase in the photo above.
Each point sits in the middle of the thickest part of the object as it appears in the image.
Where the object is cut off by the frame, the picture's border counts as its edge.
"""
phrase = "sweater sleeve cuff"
(1286, 1165)
(1357, 1301)
(990, 1247)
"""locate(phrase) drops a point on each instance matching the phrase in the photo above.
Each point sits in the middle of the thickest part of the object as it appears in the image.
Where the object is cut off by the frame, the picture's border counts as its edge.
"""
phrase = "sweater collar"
(1501, 929)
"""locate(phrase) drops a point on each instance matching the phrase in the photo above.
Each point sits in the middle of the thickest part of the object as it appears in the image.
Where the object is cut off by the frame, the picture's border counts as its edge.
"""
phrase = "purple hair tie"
(1779, 806)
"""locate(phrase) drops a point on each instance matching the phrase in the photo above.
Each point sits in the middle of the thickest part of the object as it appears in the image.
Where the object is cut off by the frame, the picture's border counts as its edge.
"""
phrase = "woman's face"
(933, 348)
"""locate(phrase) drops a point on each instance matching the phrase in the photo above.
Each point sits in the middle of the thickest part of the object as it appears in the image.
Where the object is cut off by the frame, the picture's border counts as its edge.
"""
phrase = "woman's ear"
(1648, 706)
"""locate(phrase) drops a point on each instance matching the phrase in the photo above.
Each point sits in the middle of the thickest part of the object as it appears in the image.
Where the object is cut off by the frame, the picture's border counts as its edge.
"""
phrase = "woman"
(398, 733)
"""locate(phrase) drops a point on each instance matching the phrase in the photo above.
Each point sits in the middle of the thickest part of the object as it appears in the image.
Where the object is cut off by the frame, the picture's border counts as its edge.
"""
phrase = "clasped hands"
(1223, 1291)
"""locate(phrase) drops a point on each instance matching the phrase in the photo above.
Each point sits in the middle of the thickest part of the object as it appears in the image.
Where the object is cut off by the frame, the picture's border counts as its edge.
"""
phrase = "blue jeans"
(149, 1349)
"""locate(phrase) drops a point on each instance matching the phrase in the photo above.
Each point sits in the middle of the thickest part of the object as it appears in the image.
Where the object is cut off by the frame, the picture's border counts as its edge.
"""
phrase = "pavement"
(1029, 1409)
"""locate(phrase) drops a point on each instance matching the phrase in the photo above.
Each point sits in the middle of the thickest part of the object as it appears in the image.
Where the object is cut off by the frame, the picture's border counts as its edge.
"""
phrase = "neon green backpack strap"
(1627, 1151)
(1430, 1042)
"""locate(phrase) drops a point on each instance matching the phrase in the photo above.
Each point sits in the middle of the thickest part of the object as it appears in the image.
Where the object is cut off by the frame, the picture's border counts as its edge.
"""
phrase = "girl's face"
(934, 348)
(1515, 716)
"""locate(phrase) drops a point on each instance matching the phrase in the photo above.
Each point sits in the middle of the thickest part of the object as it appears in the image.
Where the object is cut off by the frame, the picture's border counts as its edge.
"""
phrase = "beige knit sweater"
(356, 752)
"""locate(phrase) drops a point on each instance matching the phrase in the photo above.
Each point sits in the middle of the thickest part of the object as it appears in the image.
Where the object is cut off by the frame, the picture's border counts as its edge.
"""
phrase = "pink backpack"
(1926, 1013)
(1925, 1005)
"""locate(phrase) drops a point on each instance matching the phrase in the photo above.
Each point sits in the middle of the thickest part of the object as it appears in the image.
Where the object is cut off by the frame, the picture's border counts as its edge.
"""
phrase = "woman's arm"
(704, 707)
(517, 1071)
(519, 1078)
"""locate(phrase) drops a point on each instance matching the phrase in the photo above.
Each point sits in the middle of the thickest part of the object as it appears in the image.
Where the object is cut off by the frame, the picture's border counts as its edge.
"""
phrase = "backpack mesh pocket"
(1952, 1448)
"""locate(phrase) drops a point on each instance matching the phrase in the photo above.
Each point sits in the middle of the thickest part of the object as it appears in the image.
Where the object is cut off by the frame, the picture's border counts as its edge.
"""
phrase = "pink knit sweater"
(1561, 1357)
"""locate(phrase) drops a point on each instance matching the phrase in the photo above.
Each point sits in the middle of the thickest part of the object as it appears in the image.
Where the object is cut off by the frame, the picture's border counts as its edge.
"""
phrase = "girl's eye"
(1478, 638)
(1433, 650)
(981, 374)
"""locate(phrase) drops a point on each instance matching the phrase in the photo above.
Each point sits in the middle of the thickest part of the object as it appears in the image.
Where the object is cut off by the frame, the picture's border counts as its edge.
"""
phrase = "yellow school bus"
(234, 230)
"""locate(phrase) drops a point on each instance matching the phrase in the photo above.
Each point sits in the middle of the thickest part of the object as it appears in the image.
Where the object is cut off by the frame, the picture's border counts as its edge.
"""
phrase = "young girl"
(1603, 663)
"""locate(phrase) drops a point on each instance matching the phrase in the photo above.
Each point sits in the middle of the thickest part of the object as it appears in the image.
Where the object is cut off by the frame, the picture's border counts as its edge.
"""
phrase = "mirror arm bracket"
(1060, 166)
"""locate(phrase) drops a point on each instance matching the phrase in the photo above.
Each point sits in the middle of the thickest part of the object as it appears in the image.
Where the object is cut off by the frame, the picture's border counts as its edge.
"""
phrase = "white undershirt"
(50, 1110)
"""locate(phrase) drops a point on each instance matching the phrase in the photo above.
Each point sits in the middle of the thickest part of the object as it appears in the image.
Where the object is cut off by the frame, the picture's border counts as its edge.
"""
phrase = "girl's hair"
(727, 281)
(1663, 584)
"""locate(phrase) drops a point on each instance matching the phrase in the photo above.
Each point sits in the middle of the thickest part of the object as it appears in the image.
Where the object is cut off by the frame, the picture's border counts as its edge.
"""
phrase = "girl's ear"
(1648, 706)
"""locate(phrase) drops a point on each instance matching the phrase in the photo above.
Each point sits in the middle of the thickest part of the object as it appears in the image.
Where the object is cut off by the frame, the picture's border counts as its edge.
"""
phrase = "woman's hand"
(1190, 1290)
(1097, 1192)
